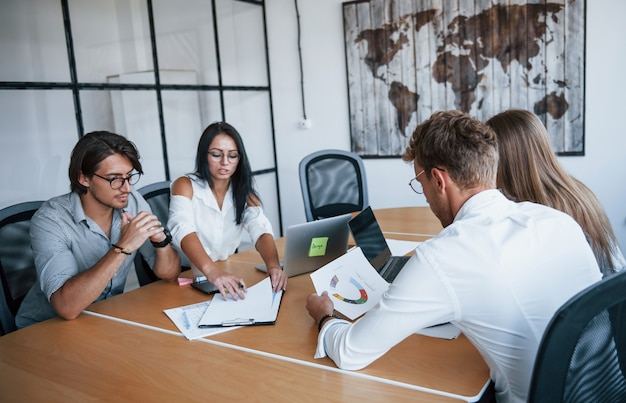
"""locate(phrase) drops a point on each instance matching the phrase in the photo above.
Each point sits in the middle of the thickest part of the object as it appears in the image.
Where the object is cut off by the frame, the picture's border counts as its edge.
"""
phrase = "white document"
(260, 307)
(186, 319)
(400, 247)
(352, 283)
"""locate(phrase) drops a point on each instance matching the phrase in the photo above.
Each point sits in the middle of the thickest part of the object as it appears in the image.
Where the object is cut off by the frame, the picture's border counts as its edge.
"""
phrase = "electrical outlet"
(306, 124)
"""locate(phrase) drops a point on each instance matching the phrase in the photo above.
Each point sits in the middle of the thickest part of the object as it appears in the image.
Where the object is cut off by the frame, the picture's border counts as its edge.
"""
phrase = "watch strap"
(166, 241)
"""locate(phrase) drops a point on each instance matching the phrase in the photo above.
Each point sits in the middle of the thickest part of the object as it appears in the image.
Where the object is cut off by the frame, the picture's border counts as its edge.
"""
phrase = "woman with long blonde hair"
(528, 170)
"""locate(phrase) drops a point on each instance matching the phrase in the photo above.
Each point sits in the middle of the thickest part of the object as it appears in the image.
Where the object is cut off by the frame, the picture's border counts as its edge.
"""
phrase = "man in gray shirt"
(84, 241)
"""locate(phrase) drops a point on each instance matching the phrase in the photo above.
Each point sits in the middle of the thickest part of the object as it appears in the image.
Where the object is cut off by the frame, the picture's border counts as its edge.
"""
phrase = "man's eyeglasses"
(231, 157)
(417, 185)
(117, 182)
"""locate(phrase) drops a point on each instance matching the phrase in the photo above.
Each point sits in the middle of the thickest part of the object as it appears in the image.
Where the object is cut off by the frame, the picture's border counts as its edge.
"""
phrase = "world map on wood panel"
(407, 59)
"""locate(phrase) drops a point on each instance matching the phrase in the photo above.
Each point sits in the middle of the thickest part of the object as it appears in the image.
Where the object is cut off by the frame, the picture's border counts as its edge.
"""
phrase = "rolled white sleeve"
(417, 299)
(181, 218)
(256, 223)
(320, 351)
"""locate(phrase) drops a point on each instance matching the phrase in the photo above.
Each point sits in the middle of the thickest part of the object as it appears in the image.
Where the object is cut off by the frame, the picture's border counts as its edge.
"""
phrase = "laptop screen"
(370, 238)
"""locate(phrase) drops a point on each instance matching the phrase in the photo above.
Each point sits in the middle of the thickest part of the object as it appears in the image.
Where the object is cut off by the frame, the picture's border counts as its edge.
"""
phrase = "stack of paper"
(218, 315)
(186, 319)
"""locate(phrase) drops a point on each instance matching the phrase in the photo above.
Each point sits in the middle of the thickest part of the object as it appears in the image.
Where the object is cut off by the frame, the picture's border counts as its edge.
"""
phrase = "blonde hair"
(528, 170)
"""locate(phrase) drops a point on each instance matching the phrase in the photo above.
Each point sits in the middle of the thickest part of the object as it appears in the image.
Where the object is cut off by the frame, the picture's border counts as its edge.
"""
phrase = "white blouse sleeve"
(256, 223)
(180, 221)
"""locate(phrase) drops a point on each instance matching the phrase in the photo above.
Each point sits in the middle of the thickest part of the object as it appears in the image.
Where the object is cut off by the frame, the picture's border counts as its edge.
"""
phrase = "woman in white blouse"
(211, 207)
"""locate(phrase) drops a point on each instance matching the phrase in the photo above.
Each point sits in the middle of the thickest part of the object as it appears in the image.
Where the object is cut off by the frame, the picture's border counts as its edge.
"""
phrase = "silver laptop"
(311, 245)
(370, 238)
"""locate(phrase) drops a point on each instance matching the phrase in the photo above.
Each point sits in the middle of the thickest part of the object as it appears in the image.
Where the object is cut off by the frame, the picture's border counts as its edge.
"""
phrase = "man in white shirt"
(498, 270)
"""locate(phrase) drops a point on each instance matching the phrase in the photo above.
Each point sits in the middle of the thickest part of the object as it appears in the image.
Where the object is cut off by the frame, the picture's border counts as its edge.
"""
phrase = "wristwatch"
(165, 242)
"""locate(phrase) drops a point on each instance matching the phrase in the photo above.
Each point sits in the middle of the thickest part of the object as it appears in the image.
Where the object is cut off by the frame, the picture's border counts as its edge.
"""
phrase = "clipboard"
(260, 307)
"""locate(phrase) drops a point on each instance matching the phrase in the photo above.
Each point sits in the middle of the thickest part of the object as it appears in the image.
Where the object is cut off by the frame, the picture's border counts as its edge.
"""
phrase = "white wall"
(603, 168)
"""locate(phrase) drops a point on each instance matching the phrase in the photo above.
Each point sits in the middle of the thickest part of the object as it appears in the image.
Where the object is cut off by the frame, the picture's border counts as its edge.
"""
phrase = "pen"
(240, 285)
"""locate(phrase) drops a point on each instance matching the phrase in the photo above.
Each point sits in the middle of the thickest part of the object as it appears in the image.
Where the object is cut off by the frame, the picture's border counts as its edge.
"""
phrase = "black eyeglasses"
(117, 183)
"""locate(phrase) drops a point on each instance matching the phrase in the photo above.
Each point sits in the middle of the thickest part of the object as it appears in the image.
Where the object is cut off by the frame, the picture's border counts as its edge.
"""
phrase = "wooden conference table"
(126, 348)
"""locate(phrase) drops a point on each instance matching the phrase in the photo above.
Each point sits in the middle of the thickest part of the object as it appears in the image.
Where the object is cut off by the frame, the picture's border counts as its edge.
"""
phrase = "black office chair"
(582, 356)
(333, 182)
(17, 266)
(158, 197)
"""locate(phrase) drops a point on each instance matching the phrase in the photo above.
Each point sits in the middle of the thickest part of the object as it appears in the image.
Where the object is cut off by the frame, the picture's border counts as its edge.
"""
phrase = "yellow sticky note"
(318, 246)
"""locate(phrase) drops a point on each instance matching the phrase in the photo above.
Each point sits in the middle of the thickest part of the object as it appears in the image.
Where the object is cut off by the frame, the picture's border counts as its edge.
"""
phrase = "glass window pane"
(185, 39)
(249, 112)
(211, 108)
(111, 38)
(266, 186)
(183, 127)
(97, 108)
(136, 117)
(32, 42)
(37, 135)
(242, 51)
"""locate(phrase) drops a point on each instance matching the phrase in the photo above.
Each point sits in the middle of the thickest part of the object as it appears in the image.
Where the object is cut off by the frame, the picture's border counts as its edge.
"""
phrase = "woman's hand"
(278, 277)
(228, 284)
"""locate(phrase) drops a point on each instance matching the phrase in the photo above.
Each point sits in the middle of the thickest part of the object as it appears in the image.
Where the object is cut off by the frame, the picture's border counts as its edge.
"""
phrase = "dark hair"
(464, 146)
(94, 147)
(241, 179)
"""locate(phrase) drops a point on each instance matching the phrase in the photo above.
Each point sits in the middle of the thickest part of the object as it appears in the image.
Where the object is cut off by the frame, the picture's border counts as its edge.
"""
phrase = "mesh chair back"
(333, 182)
(582, 356)
(17, 266)
(158, 197)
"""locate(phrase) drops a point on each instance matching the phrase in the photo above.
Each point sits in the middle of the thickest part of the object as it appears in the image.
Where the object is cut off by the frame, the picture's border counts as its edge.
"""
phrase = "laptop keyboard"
(393, 267)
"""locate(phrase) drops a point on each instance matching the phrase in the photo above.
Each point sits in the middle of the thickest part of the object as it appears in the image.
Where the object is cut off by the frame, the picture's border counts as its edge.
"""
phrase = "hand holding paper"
(352, 283)
(259, 308)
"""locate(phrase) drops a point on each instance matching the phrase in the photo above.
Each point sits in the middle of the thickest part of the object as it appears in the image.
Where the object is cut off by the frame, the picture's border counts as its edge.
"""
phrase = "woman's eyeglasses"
(231, 157)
